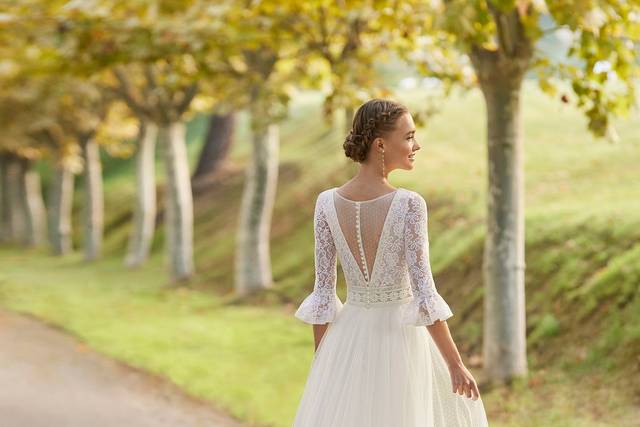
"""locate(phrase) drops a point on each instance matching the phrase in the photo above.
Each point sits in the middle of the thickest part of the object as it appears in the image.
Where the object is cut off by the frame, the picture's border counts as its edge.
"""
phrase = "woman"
(376, 365)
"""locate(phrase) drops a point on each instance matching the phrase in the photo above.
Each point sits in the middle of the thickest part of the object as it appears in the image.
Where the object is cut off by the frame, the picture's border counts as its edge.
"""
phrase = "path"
(49, 379)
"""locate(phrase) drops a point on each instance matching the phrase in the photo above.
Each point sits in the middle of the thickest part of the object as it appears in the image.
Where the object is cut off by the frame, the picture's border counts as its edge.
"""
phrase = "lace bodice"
(383, 248)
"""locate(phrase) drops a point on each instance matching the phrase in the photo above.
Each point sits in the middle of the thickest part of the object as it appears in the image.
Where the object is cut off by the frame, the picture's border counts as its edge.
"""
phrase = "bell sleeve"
(322, 305)
(427, 305)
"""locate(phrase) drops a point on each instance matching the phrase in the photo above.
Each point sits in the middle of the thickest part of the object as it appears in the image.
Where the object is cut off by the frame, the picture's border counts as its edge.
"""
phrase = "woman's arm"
(321, 306)
(462, 382)
(428, 307)
(441, 335)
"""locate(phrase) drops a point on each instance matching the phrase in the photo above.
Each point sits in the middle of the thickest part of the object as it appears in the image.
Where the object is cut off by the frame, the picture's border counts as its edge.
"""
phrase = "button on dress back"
(362, 225)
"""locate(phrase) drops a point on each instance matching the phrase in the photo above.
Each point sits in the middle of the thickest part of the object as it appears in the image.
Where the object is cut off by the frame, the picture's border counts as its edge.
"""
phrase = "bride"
(384, 358)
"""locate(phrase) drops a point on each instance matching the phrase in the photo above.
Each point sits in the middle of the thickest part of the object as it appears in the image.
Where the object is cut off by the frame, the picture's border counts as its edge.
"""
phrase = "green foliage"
(236, 55)
(618, 283)
(604, 42)
(546, 326)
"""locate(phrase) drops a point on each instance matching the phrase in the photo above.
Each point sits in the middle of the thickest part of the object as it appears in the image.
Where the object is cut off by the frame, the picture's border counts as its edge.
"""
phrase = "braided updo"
(375, 118)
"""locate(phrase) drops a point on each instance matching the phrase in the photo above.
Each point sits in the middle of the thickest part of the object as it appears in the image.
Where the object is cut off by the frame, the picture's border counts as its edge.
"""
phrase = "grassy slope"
(583, 269)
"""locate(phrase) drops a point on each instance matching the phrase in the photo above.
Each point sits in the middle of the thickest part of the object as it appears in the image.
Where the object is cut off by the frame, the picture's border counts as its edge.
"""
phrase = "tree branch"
(353, 39)
(187, 97)
(125, 91)
(512, 41)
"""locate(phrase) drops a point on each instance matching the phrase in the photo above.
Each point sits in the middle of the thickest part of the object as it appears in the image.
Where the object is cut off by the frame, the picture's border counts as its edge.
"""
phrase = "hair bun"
(354, 146)
(375, 118)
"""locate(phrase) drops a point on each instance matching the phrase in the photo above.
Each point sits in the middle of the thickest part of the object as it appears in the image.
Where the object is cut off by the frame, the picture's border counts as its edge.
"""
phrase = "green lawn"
(583, 269)
(236, 356)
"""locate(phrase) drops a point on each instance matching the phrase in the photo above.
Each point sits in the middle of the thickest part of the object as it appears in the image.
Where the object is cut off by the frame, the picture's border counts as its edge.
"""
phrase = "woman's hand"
(461, 379)
(463, 382)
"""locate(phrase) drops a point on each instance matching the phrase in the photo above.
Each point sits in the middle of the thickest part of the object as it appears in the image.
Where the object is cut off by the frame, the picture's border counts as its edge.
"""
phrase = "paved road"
(49, 379)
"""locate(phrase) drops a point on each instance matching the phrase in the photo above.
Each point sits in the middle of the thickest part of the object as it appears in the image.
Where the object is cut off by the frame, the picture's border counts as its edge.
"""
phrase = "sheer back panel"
(361, 223)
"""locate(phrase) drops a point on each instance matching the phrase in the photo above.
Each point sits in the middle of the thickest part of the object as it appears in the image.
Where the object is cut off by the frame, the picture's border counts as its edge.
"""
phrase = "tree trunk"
(252, 259)
(5, 213)
(32, 205)
(216, 145)
(60, 204)
(94, 199)
(7, 231)
(17, 215)
(178, 201)
(504, 348)
(144, 215)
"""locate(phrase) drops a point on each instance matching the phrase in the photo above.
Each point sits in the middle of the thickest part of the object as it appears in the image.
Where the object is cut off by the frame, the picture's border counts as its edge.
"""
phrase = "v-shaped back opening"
(362, 224)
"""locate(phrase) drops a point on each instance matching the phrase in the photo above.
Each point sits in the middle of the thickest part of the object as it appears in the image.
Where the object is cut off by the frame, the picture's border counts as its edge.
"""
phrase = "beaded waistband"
(371, 296)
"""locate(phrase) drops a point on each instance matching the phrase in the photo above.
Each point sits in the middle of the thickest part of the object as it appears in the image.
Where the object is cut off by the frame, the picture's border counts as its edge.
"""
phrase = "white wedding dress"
(377, 365)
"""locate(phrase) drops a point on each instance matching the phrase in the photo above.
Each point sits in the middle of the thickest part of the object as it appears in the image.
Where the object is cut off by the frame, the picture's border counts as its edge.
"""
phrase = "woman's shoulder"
(413, 195)
(415, 201)
(323, 194)
(322, 198)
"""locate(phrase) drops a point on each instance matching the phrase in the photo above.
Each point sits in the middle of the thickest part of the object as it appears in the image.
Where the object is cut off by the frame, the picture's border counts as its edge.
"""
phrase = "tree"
(22, 204)
(87, 106)
(256, 66)
(23, 215)
(497, 39)
(144, 212)
(166, 113)
(216, 145)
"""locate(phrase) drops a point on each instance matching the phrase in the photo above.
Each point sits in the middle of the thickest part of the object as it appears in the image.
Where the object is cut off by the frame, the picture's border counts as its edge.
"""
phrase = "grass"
(233, 355)
(251, 361)
(582, 256)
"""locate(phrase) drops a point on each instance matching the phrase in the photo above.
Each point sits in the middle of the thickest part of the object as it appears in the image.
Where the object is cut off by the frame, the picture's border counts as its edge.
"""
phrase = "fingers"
(465, 386)
(476, 391)
(469, 389)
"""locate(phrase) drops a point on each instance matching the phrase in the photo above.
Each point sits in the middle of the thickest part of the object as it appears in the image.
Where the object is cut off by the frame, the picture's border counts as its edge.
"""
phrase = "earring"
(382, 163)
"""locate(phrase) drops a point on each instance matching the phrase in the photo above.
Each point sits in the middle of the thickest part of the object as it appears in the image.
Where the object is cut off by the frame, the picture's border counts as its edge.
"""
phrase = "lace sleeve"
(321, 305)
(427, 305)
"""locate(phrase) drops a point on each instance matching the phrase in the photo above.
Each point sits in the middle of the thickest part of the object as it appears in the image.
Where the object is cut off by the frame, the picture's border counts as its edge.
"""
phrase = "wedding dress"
(376, 364)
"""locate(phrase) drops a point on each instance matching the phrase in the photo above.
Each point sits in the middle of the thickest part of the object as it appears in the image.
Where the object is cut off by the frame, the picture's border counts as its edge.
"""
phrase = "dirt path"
(49, 379)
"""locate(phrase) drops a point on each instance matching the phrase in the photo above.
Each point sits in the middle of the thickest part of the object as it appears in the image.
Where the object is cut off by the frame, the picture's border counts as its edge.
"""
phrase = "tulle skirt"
(370, 370)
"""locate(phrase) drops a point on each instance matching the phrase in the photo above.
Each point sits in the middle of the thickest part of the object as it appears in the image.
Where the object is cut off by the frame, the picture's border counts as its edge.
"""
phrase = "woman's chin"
(408, 165)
